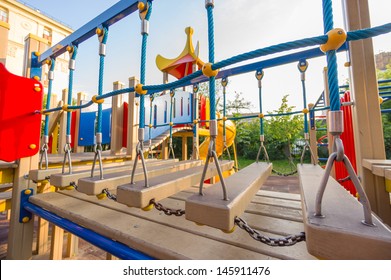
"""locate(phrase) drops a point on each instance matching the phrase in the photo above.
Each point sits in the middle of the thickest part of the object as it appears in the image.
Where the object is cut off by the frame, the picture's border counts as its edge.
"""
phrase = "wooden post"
(184, 148)
(43, 225)
(367, 122)
(20, 237)
(57, 243)
(313, 140)
(63, 124)
(4, 30)
(72, 245)
(164, 152)
(117, 113)
(81, 96)
(133, 120)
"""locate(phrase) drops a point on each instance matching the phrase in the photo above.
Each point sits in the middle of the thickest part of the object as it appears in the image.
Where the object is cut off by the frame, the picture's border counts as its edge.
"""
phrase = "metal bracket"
(24, 215)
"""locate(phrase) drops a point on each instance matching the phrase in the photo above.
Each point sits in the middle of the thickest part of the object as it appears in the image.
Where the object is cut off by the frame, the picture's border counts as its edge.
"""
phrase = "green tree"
(283, 129)
(386, 118)
(238, 104)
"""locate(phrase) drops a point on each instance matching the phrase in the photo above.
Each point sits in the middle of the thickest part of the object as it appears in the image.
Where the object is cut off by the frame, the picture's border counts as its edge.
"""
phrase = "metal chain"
(284, 174)
(109, 194)
(166, 210)
(73, 184)
(283, 241)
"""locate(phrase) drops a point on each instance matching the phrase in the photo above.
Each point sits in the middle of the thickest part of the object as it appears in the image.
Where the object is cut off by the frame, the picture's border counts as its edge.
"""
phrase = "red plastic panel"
(20, 117)
(125, 126)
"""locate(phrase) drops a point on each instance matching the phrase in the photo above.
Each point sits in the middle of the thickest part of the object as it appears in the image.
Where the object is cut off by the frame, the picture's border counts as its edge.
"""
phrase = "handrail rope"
(67, 147)
(336, 127)
(224, 82)
(102, 36)
(45, 138)
(140, 145)
(302, 43)
(150, 126)
(259, 76)
(209, 5)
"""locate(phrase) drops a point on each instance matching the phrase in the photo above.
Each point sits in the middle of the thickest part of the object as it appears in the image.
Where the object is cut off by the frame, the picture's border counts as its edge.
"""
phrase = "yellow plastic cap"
(27, 192)
(25, 220)
(100, 101)
(139, 89)
(261, 116)
(195, 121)
(37, 89)
(305, 111)
(32, 146)
(101, 196)
(208, 71)
(150, 125)
(37, 78)
(336, 38)
(171, 123)
(37, 53)
(65, 108)
(99, 32)
(69, 49)
(148, 208)
(141, 6)
(380, 100)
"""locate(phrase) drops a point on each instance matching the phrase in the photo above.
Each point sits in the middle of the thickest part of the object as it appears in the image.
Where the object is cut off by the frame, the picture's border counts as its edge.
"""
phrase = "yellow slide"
(230, 132)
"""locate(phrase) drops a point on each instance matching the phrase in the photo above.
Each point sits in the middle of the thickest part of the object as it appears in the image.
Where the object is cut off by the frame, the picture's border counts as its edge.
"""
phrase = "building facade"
(20, 24)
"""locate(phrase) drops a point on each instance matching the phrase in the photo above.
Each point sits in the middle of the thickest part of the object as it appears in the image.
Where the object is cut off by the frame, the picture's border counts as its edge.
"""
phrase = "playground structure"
(339, 235)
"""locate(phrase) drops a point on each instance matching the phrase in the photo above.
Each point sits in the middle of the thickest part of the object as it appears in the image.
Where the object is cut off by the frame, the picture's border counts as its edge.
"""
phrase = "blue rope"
(143, 66)
(100, 81)
(48, 99)
(212, 80)
(70, 90)
(261, 127)
(305, 106)
(328, 22)
(332, 67)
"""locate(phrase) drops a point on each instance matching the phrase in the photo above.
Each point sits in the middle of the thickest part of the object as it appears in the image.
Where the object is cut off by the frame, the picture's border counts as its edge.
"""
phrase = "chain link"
(109, 194)
(166, 210)
(283, 241)
(73, 184)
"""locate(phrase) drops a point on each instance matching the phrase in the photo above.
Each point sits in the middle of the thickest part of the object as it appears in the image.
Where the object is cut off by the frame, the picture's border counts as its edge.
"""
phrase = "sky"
(240, 26)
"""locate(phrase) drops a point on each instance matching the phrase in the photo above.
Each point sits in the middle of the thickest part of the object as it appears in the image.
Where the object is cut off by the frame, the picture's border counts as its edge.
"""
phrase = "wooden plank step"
(5, 195)
(6, 185)
(64, 180)
(272, 227)
(137, 195)
(210, 209)
(94, 186)
(287, 196)
(340, 234)
(157, 240)
(5, 165)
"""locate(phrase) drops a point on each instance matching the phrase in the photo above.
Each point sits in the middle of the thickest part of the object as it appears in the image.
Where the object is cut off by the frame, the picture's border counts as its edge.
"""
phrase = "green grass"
(282, 166)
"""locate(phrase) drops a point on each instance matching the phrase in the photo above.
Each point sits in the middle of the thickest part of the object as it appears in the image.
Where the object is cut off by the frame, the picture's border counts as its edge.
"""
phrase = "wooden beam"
(94, 185)
(117, 120)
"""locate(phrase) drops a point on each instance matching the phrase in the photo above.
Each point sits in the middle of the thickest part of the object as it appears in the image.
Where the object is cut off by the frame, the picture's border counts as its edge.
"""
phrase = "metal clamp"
(307, 147)
(212, 154)
(355, 180)
(67, 156)
(98, 155)
(139, 153)
(261, 149)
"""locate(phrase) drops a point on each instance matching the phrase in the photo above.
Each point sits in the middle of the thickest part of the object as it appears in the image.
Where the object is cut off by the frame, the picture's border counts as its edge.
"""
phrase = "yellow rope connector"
(101, 196)
(347, 64)
(148, 208)
(44, 113)
(195, 121)
(141, 6)
(48, 62)
(261, 116)
(70, 49)
(380, 100)
(100, 101)
(66, 109)
(336, 38)
(305, 111)
(139, 89)
(208, 71)
(225, 118)
(229, 231)
(171, 124)
(99, 31)
(25, 220)
(150, 125)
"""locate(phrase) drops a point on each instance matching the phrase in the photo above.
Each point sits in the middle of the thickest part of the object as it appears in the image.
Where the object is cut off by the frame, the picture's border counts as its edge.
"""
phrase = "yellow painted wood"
(210, 208)
(42, 236)
(72, 246)
(57, 243)
(340, 234)
(5, 205)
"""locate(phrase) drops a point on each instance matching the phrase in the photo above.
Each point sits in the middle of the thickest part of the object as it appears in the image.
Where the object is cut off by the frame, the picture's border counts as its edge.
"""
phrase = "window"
(47, 34)
(3, 14)
(165, 111)
(174, 108)
(181, 106)
(155, 116)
